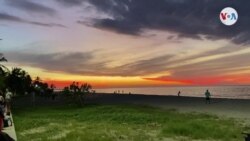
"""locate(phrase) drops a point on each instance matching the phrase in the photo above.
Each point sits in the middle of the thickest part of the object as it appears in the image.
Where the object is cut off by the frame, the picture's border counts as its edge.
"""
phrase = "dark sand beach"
(232, 108)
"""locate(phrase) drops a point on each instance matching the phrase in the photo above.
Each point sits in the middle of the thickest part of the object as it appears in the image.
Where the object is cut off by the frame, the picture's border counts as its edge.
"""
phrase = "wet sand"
(232, 108)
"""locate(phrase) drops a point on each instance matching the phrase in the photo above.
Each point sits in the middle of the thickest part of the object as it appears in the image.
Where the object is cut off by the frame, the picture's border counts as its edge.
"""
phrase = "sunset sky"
(127, 43)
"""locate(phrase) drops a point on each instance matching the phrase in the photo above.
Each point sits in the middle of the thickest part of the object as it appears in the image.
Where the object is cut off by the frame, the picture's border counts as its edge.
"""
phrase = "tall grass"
(120, 122)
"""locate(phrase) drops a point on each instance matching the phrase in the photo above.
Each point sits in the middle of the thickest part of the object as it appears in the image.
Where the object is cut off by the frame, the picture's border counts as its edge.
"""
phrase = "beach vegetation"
(121, 122)
(78, 91)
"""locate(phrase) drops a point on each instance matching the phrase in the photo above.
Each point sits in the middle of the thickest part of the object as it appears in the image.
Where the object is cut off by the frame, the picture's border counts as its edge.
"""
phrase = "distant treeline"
(20, 82)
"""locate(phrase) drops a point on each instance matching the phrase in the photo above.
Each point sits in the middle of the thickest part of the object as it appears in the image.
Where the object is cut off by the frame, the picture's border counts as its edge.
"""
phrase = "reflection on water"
(238, 92)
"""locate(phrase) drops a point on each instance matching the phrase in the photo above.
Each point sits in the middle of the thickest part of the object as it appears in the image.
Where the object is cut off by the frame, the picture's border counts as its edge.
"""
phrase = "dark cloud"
(47, 24)
(7, 17)
(11, 18)
(31, 7)
(65, 62)
(188, 18)
(74, 63)
(193, 36)
(81, 63)
(70, 2)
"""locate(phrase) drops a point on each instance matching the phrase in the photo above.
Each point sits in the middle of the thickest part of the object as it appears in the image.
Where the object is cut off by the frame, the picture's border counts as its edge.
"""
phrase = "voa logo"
(228, 16)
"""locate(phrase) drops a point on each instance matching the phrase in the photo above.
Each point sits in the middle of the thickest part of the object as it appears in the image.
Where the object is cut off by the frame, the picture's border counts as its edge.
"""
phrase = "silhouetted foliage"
(18, 81)
(66, 91)
(78, 91)
(43, 88)
(3, 72)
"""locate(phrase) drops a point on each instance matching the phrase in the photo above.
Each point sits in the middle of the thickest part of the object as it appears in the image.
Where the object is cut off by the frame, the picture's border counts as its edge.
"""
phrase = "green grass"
(120, 122)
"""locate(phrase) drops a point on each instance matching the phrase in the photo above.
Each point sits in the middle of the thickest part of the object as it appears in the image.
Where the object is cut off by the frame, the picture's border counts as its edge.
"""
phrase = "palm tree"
(18, 81)
(3, 59)
(3, 71)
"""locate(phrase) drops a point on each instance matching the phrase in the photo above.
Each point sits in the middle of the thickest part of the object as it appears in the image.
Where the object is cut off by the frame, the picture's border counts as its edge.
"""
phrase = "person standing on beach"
(179, 93)
(8, 97)
(207, 95)
(33, 98)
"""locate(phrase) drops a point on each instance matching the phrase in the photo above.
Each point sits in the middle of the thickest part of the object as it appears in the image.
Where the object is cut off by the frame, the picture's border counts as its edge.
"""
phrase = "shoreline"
(229, 92)
(223, 107)
(212, 96)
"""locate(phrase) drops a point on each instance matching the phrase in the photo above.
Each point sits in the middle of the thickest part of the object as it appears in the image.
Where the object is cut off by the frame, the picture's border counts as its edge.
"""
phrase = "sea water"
(235, 92)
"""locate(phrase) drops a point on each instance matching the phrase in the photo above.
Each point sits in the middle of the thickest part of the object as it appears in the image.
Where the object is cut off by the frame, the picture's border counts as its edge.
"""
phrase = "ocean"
(235, 92)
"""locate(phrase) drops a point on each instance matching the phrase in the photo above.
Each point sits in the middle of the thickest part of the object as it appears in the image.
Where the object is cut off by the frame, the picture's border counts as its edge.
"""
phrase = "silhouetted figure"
(1, 111)
(179, 93)
(208, 95)
(33, 98)
(53, 96)
(247, 138)
(8, 98)
(5, 137)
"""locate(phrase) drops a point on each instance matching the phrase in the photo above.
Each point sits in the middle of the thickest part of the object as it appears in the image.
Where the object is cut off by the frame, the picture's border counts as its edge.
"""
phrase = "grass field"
(120, 123)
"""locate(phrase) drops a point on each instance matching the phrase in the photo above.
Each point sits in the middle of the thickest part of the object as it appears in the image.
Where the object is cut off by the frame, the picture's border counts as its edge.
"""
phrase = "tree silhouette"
(66, 91)
(3, 71)
(85, 88)
(18, 81)
(78, 92)
(3, 59)
(43, 88)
